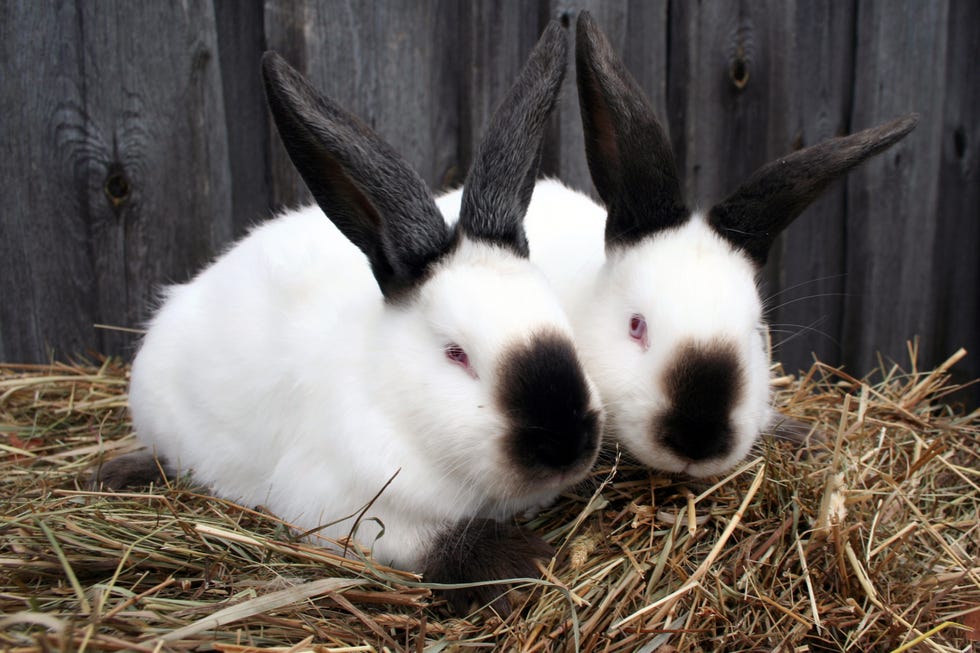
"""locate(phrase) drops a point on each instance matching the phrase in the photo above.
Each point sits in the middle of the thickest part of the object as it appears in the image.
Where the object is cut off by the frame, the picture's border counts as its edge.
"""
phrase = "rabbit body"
(361, 367)
(280, 377)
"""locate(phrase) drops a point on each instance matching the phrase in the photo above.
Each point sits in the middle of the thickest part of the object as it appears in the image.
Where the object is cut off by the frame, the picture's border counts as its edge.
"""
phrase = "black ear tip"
(552, 30)
(272, 61)
(894, 130)
(908, 122)
(554, 40)
(276, 71)
(585, 25)
(590, 41)
(270, 57)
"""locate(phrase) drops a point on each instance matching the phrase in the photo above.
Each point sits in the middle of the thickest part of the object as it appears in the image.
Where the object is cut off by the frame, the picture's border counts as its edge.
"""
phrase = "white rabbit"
(282, 376)
(664, 301)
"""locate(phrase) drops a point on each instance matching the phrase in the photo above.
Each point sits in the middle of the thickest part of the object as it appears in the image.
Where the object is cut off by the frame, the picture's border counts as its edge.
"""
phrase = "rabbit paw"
(484, 550)
(133, 469)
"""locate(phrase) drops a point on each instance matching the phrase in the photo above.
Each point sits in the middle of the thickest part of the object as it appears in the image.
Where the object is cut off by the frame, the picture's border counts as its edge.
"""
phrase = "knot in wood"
(116, 186)
(738, 72)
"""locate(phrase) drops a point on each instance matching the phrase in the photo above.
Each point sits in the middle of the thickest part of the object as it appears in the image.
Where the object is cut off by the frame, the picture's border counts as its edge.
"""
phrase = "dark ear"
(774, 195)
(376, 200)
(500, 182)
(628, 152)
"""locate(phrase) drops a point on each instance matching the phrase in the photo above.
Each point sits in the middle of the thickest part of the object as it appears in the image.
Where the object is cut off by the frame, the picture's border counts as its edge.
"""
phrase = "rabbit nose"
(702, 384)
(693, 438)
(544, 393)
(559, 450)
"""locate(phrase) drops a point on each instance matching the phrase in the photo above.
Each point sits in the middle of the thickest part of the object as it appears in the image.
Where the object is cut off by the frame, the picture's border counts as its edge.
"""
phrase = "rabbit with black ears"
(419, 399)
(663, 299)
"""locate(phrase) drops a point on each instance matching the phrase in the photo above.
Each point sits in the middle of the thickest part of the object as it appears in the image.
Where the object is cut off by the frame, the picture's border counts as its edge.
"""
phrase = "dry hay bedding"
(867, 542)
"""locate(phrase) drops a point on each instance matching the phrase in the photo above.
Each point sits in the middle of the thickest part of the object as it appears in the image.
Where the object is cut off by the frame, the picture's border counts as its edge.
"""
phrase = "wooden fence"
(137, 143)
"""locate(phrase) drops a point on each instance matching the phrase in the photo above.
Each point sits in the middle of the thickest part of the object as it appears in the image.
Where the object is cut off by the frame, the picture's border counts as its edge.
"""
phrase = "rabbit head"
(675, 337)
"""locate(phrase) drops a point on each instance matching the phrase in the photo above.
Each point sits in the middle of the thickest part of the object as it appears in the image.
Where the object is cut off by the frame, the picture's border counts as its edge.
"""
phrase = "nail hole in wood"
(565, 19)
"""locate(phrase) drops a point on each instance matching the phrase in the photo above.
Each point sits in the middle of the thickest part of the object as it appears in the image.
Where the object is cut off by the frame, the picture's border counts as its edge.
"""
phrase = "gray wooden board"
(48, 280)
(241, 40)
(162, 105)
(956, 257)
(806, 272)
(120, 137)
(892, 199)
(728, 116)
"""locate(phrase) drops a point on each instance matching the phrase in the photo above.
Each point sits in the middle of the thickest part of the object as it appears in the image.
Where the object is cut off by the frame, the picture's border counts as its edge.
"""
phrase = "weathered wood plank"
(394, 65)
(956, 264)
(892, 199)
(48, 280)
(118, 135)
(806, 269)
(728, 66)
(241, 41)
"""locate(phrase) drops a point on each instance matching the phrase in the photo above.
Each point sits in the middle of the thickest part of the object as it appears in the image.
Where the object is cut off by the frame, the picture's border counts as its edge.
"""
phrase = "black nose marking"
(544, 393)
(702, 384)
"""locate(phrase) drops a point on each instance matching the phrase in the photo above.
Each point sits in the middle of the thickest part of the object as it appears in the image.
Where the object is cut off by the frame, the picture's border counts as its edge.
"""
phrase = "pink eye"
(458, 355)
(638, 329)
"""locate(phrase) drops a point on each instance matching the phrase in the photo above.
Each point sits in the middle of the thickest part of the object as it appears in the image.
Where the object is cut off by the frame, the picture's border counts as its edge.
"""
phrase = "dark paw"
(131, 470)
(484, 550)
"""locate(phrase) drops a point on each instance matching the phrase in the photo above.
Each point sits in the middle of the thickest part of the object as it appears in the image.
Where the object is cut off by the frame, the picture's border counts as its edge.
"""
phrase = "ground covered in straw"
(868, 541)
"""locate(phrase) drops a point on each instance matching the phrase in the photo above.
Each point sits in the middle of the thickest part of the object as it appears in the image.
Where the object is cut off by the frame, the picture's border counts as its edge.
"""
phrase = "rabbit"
(664, 300)
(417, 400)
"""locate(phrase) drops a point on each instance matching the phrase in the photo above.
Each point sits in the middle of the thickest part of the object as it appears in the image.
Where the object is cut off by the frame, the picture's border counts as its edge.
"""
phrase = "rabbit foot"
(484, 550)
(133, 469)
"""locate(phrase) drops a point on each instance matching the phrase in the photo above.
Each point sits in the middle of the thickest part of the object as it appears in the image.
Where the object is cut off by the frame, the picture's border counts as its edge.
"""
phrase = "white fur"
(687, 282)
(280, 377)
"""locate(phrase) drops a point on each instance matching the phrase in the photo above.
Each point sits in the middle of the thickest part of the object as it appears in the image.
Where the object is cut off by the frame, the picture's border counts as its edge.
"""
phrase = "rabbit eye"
(638, 330)
(458, 355)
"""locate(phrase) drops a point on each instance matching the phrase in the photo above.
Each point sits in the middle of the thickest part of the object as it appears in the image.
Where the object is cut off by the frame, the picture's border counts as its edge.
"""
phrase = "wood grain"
(119, 137)
(241, 41)
(892, 199)
(955, 270)
(806, 272)
(138, 144)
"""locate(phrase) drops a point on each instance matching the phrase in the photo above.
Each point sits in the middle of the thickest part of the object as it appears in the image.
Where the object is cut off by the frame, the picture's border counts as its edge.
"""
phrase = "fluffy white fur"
(687, 282)
(280, 377)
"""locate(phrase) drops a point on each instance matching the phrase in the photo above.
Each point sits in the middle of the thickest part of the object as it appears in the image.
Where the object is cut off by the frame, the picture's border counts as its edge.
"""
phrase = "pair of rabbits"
(471, 369)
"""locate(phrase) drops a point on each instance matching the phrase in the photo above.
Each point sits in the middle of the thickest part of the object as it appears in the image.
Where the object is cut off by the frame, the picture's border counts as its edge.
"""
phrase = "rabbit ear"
(500, 182)
(629, 156)
(774, 195)
(376, 200)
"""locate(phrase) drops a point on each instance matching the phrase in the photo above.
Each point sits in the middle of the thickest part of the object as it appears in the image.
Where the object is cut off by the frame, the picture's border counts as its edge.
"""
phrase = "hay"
(868, 541)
